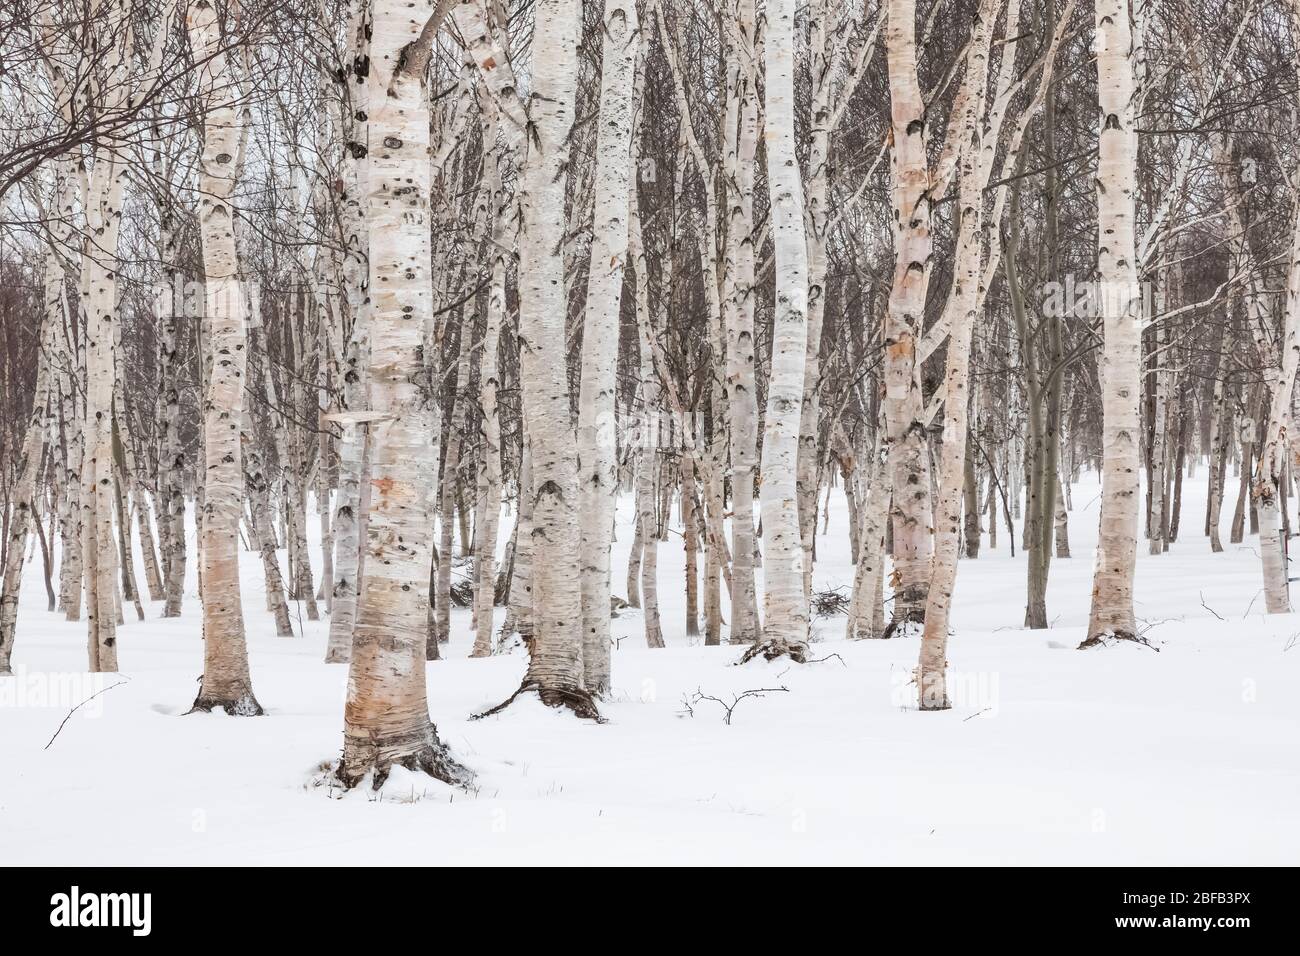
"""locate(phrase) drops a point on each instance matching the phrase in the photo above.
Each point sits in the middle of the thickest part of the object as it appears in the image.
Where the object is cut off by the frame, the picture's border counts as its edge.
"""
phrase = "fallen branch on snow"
(728, 709)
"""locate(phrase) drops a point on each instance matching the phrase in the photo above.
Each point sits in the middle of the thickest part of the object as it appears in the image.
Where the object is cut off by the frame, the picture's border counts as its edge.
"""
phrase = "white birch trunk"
(1111, 616)
(171, 456)
(349, 515)
(386, 716)
(785, 604)
(597, 428)
(905, 435)
(932, 665)
(738, 302)
(555, 668)
(1269, 490)
(489, 479)
(99, 296)
(868, 574)
(226, 680)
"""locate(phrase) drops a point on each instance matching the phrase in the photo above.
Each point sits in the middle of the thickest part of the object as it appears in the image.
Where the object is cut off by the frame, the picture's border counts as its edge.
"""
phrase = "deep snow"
(1119, 755)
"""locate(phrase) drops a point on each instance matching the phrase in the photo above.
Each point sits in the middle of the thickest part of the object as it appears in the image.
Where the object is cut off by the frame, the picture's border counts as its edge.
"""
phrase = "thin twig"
(68, 716)
(1208, 608)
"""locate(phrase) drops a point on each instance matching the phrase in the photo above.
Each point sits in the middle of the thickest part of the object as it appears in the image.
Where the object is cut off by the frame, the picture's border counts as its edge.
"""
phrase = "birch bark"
(932, 666)
(349, 516)
(905, 435)
(785, 604)
(1111, 616)
(555, 667)
(1269, 491)
(226, 681)
(102, 201)
(386, 716)
(597, 429)
(489, 479)
(23, 492)
(738, 304)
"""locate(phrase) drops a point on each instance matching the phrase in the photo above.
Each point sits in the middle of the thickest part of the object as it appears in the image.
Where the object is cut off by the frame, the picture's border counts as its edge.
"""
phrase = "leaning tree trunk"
(46, 398)
(226, 681)
(519, 612)
(932, 665)
(257, 488)
(785, 604)
(386, 716)
(822, 53)
(23, 493)
(1111, 616)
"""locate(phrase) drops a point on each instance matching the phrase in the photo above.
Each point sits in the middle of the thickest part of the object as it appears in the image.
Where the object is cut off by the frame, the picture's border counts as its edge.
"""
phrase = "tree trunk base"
(932, 692)
(432, 758)
(773, 648)
(240, 705)
(907, 627)
(581, 702)
(1111, 637)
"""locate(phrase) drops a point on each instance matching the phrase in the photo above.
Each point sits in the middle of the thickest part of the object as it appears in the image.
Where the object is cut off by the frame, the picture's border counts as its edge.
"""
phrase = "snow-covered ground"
(1119, 755)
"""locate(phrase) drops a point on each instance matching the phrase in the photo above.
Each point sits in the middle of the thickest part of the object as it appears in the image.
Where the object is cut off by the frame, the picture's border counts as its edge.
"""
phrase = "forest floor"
(1184, 752)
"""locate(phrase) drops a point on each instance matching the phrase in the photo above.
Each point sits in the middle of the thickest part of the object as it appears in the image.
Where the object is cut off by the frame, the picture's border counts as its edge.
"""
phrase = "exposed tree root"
(581, 702)
(907, 627)
(244, 705)
(941, 705)
(932, 693)
(433, 759)
(1107, 638)
(772, 648)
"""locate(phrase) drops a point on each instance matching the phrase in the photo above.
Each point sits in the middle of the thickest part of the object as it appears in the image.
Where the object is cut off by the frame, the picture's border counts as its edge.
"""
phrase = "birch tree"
(555, 668)
(1268, 494)
(931, 684)
(226, 681)
(1111, 616)
(910, 192)
(785, 603)
(386, 715)
(597, 431)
